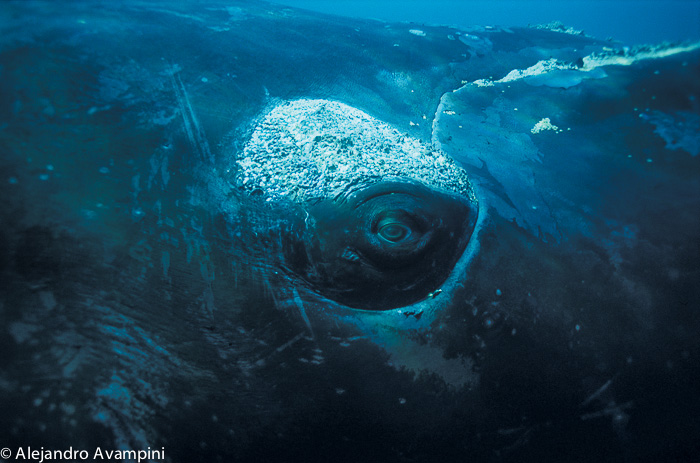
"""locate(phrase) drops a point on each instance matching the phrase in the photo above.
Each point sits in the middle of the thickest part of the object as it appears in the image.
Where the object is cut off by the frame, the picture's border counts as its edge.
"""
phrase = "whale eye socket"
(393, 231)
(379, 247)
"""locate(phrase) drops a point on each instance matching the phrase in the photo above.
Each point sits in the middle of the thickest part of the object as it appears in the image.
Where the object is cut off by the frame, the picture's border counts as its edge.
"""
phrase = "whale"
(374, 236)
(239, 231)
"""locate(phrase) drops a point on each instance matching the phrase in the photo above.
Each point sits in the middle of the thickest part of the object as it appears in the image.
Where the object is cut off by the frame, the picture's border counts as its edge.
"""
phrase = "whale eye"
(384, 246)
(393, 231)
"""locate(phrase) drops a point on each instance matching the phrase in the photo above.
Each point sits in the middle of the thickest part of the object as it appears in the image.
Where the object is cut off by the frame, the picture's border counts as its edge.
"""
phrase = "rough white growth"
(417, 32)
(627, 56)
(610, 57)
(311, 149)
(558, 26)
(542, 67)
(544, 124)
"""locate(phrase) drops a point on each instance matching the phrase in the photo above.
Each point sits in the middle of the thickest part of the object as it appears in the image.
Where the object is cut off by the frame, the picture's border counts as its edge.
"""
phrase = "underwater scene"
(243, 231)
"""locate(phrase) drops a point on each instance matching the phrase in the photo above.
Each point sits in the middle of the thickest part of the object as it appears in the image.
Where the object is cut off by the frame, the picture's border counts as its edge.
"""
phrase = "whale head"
(383, 218)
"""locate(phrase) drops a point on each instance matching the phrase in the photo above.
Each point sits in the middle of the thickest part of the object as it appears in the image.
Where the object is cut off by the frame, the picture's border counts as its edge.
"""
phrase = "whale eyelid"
(404, 186)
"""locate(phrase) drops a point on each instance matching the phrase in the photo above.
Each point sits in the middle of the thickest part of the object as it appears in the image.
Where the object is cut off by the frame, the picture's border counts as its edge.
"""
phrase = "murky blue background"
(631, 22)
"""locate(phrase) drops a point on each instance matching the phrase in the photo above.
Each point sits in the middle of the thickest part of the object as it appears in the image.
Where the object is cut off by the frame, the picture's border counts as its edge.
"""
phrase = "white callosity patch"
(544, 124)
(628, 56)
(538, 69)
(556, 73)
(550, 73)
(541, 67)
(558, 26)
(313, 149)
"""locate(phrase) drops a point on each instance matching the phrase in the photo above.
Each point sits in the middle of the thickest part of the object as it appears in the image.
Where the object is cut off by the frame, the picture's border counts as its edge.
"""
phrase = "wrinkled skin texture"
(144, 300)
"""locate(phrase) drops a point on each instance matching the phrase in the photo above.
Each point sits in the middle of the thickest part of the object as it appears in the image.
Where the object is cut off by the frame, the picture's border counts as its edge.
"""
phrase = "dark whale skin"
(141, 300)
(381, 247)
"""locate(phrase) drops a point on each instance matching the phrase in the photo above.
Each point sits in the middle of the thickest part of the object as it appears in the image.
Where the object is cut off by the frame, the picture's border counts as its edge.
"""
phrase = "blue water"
(629, 21)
